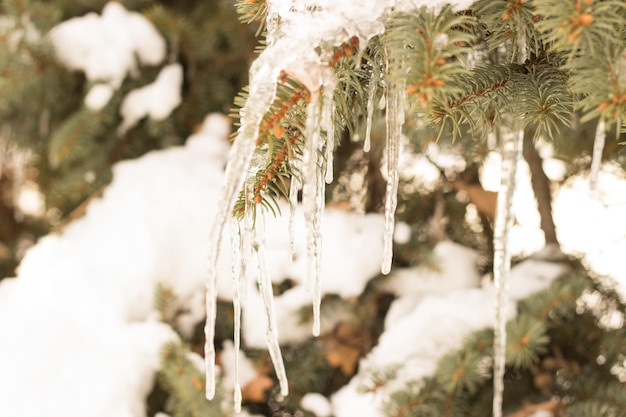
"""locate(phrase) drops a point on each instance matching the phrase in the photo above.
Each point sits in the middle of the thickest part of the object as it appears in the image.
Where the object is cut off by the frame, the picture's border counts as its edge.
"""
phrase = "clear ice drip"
(263, 88)
(241, 252)
(317, 235)
(313, 202)
(370, 111)
(598, 149)
(294, 187)
(265, 288)
(328, 125)
(511, 144)
(236, 271)
(395, 121)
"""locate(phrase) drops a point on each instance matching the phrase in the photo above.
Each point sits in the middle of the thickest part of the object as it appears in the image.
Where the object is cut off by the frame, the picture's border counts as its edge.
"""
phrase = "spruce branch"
(501, 20)
(252, 11)
(542, 99)
(427, 49)
(484, 93)
(578, 26)
(282, 130)
(527, 340)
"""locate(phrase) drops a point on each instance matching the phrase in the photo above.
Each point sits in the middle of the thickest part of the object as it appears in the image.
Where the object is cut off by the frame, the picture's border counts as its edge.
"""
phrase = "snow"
(83, 299)
(98, 96)
(246, 372)
(412, 345)
(316, 404)
(79, 331)
(156, 100)
(107, 48)
(80, 314)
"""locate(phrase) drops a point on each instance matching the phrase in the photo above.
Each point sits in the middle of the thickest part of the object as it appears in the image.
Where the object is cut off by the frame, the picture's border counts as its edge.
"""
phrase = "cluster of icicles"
(316, 170)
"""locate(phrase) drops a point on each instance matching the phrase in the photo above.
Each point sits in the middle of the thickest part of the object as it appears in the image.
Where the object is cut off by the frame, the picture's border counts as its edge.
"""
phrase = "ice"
(511, 146)
(312, 203)
(395, 121)
(237, 280)
(300, 41)
(370, 110)
(598, 149)
(328, 125)
(294, 187)
(265, 288)
(262, 90)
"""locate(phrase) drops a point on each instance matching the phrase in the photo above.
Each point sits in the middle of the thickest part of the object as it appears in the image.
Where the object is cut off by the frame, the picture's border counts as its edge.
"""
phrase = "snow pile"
(80, 334)
(412, 345)
(107, 48)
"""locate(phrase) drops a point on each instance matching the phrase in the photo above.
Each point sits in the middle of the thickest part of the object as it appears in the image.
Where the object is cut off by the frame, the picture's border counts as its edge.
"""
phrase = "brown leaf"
(342, 356)
(254, 391)
(485, 201)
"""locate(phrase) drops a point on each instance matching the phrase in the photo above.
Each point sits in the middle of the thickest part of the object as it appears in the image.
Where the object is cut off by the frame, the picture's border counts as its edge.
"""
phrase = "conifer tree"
(463, 77)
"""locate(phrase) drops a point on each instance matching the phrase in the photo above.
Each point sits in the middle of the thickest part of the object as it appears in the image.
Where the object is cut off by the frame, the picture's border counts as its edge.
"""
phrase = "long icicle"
(261, 95)
(511, 151)
(512, 139)
(394, 121)
(598, 149)
(328, 125)
(310, 201)
(317, 261)
(237, 274)
(265, 288)
(242, 249)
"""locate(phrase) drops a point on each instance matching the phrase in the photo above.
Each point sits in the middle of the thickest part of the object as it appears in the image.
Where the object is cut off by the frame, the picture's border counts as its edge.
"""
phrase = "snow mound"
(80, 335)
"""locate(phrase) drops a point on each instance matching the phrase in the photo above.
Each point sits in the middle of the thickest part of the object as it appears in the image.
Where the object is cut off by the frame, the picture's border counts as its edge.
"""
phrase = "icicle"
(236, 236)
(241, 246)
(309, 182)
(511, 145)
(328, 124)
(265, 288)
(294, 187)
(317, 235)
(395, 121)
(263, 87)
(598, 149)
(313, 203)
(511, 153)
(370, 111)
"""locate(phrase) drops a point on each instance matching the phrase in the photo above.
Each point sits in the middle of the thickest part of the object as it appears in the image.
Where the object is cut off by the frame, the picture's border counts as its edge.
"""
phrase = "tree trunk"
(541, 187)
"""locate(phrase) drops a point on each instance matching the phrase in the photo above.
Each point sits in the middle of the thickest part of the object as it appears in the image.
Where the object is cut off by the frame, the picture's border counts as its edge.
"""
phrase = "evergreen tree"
(549, 69)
